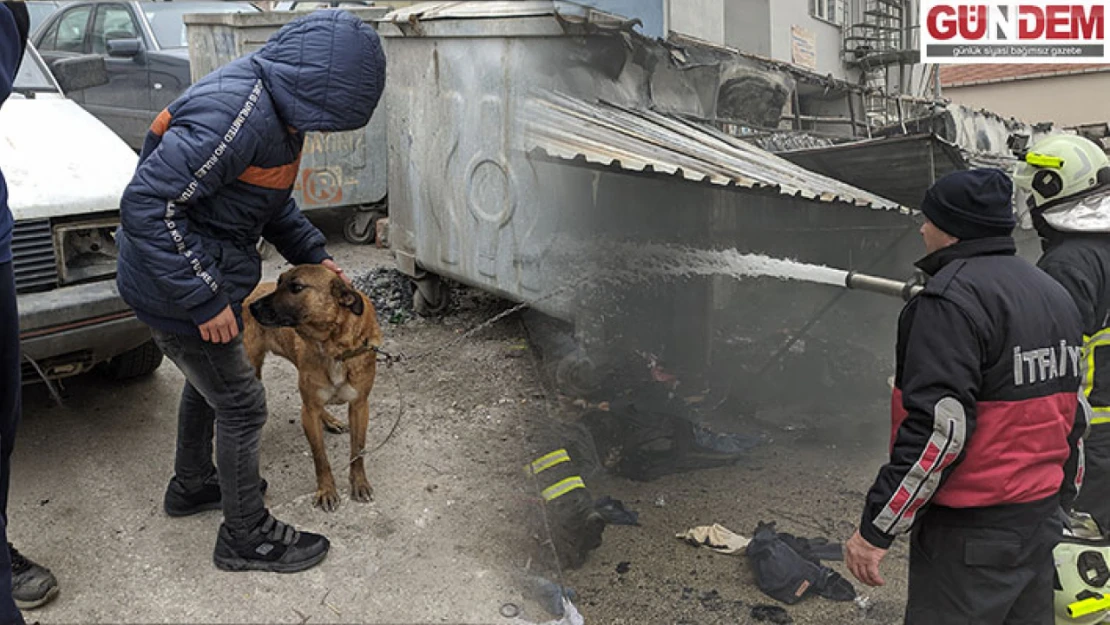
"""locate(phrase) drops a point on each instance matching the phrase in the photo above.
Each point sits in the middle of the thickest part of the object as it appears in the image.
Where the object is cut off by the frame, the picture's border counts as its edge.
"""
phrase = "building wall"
(704, 19)
(788, 13)
(747, 25)
(1065, 100)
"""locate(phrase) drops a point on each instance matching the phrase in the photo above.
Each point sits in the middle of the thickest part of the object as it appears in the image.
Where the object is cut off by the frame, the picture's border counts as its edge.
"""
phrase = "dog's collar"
(358, 351)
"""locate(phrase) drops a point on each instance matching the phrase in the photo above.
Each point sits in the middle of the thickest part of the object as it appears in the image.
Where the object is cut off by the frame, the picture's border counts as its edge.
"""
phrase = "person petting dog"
(215, 174)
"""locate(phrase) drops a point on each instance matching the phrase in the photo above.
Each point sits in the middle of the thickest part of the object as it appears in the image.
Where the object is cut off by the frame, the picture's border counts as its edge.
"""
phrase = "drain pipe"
(884, 286)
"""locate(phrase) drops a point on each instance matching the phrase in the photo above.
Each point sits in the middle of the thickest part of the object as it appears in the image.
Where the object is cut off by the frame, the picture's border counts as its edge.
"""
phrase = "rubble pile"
(390, 291)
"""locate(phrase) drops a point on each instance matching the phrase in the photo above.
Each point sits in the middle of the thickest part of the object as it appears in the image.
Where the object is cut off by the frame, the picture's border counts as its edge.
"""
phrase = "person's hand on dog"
(330, 264)
(221, 328)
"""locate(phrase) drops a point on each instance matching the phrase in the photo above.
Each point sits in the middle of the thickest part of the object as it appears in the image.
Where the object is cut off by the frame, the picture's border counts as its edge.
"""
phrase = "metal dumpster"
(337, 169)
(463, 195)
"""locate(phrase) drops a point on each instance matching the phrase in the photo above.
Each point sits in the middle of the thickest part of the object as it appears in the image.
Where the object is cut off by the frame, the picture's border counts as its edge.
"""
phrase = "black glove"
(22, 21)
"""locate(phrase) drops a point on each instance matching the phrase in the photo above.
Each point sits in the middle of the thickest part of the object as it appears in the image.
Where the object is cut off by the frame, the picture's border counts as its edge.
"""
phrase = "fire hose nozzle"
(884, 286)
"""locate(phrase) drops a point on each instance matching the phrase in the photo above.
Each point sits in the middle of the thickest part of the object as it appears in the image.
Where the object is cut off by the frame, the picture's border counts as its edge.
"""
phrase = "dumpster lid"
(472, 9)
(900, 168)
(565, 128)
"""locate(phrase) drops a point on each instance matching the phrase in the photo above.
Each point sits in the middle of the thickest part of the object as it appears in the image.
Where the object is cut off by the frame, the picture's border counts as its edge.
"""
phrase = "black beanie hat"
(971, 204)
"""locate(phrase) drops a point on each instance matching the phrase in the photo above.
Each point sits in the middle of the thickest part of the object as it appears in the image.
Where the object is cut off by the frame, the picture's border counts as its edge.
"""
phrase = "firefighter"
(986, 420)
(1065, 179)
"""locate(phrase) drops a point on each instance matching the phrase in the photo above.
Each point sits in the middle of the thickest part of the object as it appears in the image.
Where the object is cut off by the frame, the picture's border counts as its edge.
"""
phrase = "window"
(113, 21)
(835, 11)
(68, 33)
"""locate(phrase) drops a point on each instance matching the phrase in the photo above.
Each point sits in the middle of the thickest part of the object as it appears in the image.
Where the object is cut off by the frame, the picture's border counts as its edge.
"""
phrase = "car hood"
(59, 160)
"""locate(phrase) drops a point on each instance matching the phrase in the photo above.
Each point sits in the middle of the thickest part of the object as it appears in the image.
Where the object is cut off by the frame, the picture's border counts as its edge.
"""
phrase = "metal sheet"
(900, 168)
(636, 140)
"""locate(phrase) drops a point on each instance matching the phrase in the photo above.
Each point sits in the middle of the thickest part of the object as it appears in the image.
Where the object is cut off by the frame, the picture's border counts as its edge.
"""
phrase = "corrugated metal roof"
(568, 128)
(471, 9)
(900, 168)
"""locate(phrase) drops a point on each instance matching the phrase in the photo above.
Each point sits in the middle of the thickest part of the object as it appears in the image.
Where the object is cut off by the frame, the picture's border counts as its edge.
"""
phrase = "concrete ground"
(810, 480)
(450, 522)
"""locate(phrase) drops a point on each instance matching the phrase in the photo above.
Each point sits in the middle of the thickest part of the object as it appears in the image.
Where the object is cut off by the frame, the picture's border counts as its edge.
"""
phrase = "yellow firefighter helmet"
(1082, 560)
(1062, 166)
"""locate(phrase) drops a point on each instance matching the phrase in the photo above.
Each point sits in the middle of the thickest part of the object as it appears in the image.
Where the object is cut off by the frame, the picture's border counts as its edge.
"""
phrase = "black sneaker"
(33, 585)
(180, 502)
(271, 546)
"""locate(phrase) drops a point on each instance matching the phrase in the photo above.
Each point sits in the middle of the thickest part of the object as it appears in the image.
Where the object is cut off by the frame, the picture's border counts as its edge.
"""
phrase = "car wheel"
(136, 363)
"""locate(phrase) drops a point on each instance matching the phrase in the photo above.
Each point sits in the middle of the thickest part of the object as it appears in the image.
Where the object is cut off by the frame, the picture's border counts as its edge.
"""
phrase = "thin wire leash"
(390, 359)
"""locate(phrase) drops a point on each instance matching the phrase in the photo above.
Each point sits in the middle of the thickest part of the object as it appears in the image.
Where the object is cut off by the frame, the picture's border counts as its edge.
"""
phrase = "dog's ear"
(346, 296)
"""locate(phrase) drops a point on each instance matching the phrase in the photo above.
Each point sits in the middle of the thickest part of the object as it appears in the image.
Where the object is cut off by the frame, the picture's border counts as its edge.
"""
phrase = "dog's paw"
(327, 499)
(361, 491)
(334, 426)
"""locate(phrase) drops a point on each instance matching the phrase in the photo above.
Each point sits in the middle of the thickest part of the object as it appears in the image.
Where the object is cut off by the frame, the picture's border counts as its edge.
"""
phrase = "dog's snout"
(268, 315)
(263, 311)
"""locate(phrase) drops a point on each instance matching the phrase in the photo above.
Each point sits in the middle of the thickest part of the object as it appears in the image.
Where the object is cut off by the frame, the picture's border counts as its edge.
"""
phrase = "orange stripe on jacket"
(281, 177)
(161, 123)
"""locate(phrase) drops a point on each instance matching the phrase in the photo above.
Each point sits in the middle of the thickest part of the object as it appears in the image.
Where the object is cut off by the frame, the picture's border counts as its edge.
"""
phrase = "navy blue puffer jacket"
(219, 165)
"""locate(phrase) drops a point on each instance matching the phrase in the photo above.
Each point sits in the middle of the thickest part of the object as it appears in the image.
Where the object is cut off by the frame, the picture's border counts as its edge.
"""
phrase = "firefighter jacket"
(986, 407)
(1081, 262)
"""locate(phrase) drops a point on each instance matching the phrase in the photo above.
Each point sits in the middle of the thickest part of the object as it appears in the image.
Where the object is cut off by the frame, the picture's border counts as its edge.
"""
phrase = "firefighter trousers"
(984, 566)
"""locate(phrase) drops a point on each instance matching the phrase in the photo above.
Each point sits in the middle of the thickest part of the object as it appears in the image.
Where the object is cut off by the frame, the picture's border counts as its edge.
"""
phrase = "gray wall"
(704, 19)
(747, 25)
(787, 13)
(756, 26)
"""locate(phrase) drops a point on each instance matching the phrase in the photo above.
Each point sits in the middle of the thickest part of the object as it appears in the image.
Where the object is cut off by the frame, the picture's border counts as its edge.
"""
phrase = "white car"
(66, 172)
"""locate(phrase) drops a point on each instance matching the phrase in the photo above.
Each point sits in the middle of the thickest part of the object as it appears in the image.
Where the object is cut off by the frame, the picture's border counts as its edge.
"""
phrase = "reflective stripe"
(558, 489)
(1080, 448)
(545, 462)
(920, 483)
(1090, 344)
(1080, 464)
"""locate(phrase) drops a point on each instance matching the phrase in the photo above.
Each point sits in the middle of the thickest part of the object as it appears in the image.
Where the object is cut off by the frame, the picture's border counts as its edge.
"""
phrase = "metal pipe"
(883, 286)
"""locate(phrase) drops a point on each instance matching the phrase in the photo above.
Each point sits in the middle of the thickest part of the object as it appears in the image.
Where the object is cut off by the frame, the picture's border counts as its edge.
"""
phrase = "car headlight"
(86, 250)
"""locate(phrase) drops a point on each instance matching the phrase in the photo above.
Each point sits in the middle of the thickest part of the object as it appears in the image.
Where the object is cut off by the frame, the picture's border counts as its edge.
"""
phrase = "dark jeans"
(986, 566)
(221, 396)
(10, 409)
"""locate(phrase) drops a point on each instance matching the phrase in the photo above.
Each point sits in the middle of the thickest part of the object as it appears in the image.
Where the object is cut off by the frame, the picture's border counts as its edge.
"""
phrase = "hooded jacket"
(218, 168)
(13, 40)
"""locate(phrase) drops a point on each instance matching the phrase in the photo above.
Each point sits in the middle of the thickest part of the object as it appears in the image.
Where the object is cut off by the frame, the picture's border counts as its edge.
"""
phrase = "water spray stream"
(629, 263)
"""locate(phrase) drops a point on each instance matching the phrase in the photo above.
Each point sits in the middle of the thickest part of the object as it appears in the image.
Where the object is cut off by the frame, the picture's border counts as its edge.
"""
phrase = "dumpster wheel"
(362, 226)
(431, 296)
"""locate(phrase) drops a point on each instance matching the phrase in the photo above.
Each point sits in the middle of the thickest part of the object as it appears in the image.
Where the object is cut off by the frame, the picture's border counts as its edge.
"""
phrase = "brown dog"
(328, 330)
